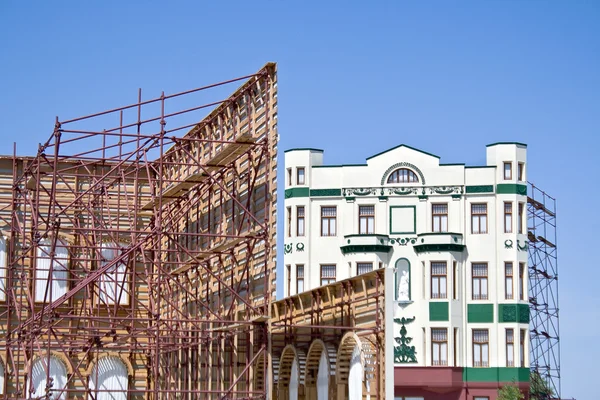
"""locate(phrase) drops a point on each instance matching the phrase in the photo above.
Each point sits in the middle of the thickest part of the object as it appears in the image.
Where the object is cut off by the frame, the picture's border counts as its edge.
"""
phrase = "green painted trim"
(513, 313)
(498, 374)
(364, 235)
(497, 143)
(451, 164)
(414, 220)
(439, 311)
(456, 196)
(365, 248)
(403, 145)
(297, 192)
(480, 313)
(480, 166)
(479, 189)
(439, 233)
(396, 279)
(427, 248)
(325, 192)
(511, 188)
(303, 149)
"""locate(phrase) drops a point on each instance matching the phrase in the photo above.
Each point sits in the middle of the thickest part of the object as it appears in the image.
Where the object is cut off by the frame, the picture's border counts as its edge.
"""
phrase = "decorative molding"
(439, 247)
(446, 190)
(403, 241)
(288, 248)
(400, 165)
(297, 192)
(404, 354)
(360, 192)
(325, 192)
(414, 220)
(365, 248)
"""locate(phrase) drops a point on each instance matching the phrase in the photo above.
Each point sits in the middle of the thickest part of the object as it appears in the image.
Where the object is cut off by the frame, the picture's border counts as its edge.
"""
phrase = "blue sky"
(355, 78)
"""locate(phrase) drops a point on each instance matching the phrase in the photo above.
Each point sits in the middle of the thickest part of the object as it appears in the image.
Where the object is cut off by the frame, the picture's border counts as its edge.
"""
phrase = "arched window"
(355, 376)
(57, 282)
(323, 378)
(403, 175)
(109, 380)
(39, 378)
(113, 283)
(3, 270)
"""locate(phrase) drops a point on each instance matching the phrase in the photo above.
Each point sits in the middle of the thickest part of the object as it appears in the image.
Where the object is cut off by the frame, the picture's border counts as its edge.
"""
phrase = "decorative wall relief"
(403, 241)
(289, 248)
(404, 353)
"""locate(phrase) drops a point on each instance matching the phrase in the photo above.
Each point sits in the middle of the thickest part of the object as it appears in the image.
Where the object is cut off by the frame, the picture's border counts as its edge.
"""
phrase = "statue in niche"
(403, 287)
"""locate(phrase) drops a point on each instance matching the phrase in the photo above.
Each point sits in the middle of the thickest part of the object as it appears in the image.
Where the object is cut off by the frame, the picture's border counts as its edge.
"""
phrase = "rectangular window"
(522, 347)
(289, 177)
(288, 270)
(479, 218)
(455, 347)
(299, 278)
(508, 217)
(481, 347)
(480, 281)
(363, 268)
(522, 281)
(300, 176)
(507, 171)
(366, 220)
(439, 346)
(454, 280)
(438, 280)
(510, 348)
(327, 274)
(289, 221)
(328, 221)
(508, 280)
(300, 221)
(440, 217)
(520, 221)
(521, 171)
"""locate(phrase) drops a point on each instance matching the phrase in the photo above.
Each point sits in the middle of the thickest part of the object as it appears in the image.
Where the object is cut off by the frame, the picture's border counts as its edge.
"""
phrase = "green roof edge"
(304, 148)
(497, 143)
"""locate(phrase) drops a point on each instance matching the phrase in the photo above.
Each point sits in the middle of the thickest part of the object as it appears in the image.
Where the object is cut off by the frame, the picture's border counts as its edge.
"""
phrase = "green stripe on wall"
(511, 188)
(480, 189)
(438, 311)
(500, 374)
(297, 192)
(480, 312)
(325, 192)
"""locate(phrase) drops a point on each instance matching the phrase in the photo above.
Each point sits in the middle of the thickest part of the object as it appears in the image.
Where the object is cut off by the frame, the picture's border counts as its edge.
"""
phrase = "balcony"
(439, 241)
(373, 243)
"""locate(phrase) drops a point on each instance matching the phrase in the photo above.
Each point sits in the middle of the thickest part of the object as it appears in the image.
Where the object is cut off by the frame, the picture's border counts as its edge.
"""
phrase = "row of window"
(300, 176)
(328, 274)
(52, 273)
(508, 171)
(439, 212)
(481, 347)
(479, 280)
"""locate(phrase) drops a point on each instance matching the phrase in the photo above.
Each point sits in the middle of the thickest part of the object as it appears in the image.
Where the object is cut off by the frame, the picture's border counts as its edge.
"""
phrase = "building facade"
(455, 237)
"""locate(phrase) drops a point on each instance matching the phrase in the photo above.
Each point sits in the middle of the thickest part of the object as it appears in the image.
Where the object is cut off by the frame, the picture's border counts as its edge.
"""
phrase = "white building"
(456, 238)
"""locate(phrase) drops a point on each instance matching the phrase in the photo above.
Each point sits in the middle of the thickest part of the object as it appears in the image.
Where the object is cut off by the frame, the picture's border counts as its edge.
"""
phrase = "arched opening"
(402, 278)
(294, 381)
(56, 281)
(113, 283)
(323, 378)
(403, 175)
(1, 376)
(109, 379)
(350, 367)
(53, 368)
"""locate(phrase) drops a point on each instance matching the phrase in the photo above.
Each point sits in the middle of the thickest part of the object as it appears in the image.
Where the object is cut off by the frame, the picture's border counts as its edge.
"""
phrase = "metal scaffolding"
(543, 290)
(151, 241)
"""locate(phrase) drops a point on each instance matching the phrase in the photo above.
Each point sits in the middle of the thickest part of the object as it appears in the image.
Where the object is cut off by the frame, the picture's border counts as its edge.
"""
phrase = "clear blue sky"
(356, 78)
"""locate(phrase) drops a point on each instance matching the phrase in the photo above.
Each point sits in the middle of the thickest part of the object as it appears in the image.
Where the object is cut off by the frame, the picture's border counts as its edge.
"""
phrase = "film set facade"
(456, 240)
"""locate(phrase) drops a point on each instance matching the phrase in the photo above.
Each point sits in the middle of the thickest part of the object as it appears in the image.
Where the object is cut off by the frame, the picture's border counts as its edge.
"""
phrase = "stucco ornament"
(404, 353)
(403, 285)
